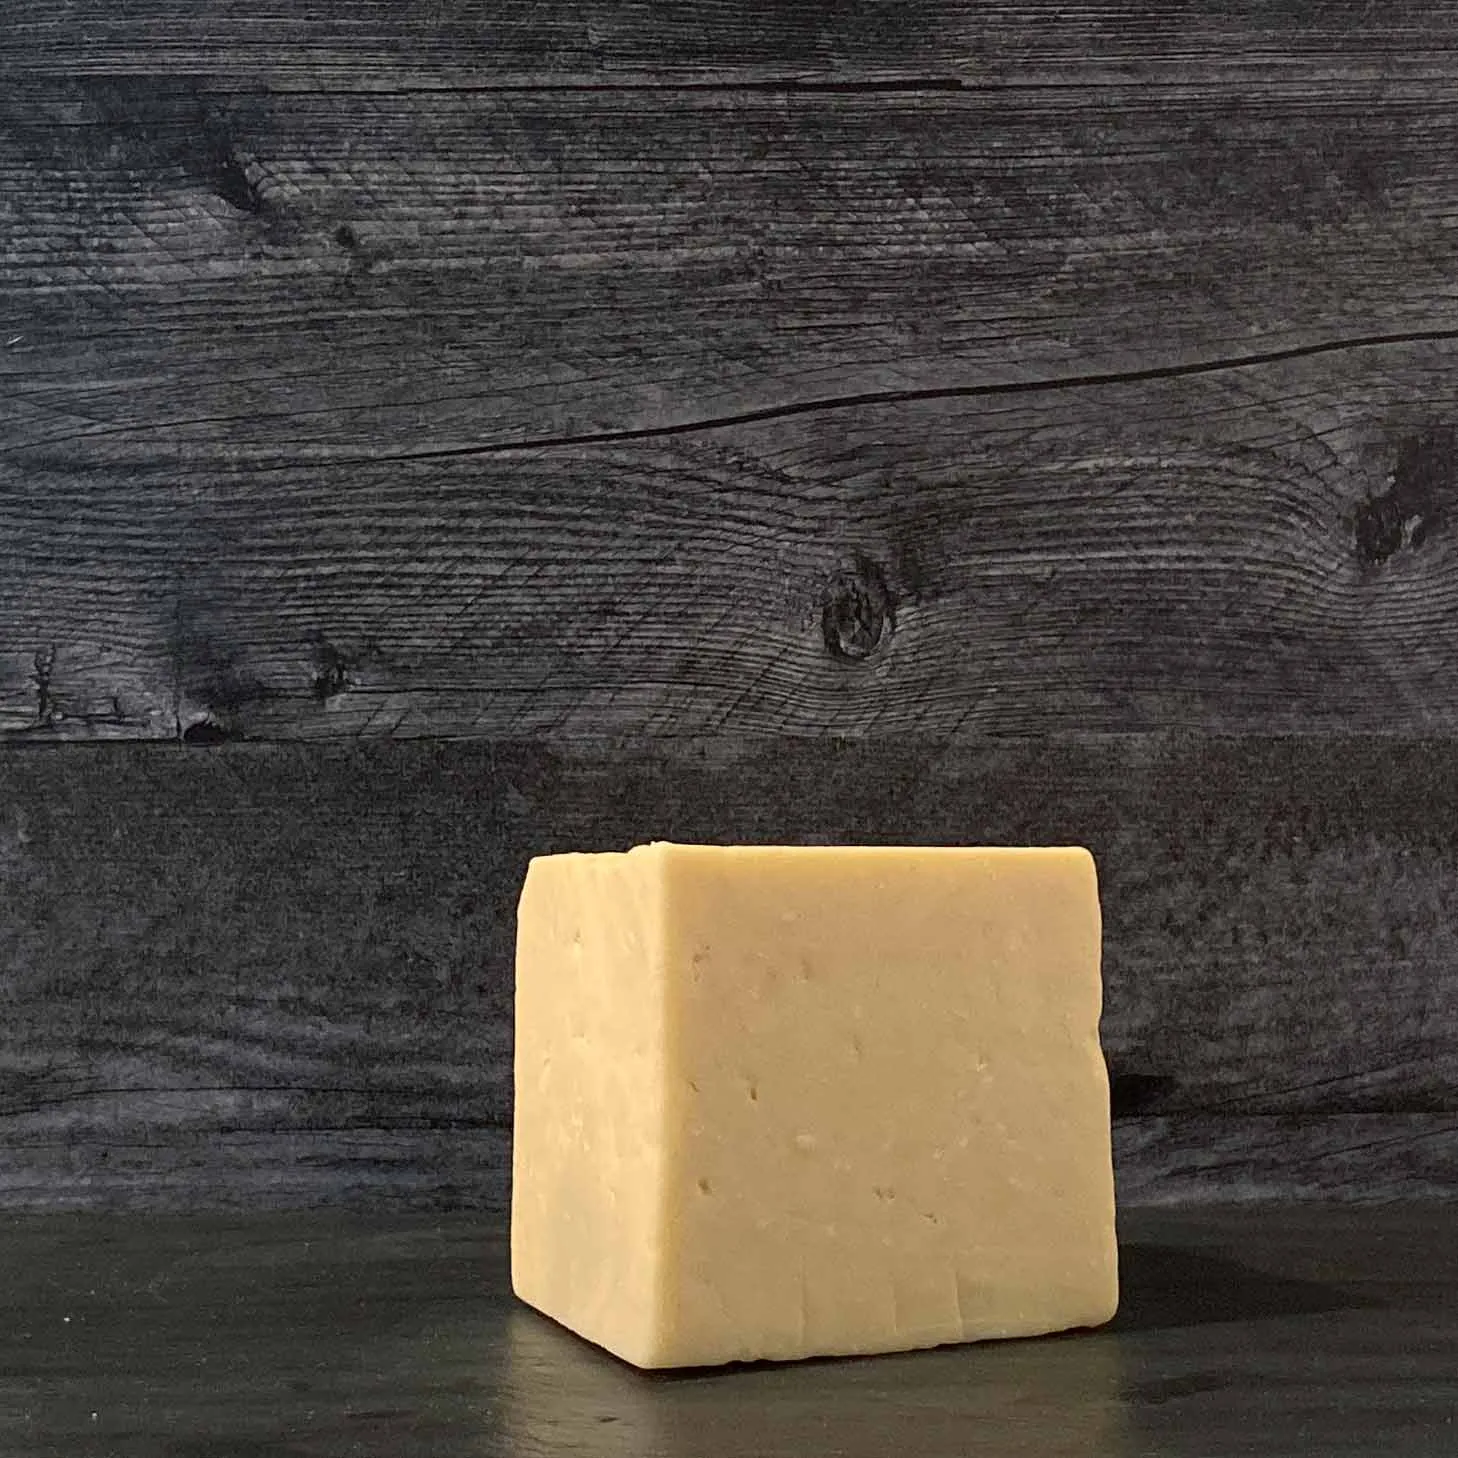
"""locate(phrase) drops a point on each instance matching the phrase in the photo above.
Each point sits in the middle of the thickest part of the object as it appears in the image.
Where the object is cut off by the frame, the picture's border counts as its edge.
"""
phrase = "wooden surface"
(281, 975)
(1272, 1333)
(945, 421)
(475, 44)
(545, 370)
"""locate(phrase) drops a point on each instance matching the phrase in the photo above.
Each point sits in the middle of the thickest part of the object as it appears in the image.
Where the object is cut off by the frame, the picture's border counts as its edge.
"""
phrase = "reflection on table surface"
(1060, 1396)
(1265, 1331)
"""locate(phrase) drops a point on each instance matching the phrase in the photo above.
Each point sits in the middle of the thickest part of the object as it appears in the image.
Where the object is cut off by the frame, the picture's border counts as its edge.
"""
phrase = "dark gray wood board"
(282, 974)
(1267, 1332)
(472, 44)
(369, 371)
(266, 275)
(1126, 558)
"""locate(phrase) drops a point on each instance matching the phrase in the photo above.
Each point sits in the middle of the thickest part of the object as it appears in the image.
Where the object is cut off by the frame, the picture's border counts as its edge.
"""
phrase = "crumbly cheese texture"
(789, 1102)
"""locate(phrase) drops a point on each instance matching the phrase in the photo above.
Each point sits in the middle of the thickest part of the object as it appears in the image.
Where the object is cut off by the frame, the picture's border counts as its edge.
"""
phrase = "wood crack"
(868, 399)
(878, 398)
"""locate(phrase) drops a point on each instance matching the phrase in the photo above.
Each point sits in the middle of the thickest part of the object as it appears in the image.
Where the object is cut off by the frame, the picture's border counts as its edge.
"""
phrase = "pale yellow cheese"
(778, 1103)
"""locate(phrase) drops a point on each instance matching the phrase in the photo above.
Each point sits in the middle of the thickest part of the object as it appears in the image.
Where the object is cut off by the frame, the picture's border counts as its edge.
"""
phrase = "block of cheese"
(787, 1102)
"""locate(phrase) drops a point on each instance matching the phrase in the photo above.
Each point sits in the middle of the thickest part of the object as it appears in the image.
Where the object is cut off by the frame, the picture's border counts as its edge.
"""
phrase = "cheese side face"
(590, 1139)
(857, 1100)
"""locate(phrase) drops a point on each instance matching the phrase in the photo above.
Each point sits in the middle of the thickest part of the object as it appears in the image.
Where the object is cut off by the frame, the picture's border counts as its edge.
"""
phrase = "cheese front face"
(780, 1103)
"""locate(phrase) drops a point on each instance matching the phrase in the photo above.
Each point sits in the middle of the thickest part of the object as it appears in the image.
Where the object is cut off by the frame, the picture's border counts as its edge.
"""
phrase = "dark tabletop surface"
(1250, 1330)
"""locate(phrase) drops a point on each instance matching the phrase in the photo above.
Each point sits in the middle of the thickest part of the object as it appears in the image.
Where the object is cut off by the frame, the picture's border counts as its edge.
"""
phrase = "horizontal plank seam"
(772, 85)
(42, 739)
(911, 85)
(1109, 74)
(19, 1106)
(169, 1138)
(1214, 1115)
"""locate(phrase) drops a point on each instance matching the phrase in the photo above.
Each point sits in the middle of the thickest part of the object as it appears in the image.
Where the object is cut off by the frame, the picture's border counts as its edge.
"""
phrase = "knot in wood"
(206, 732)
(334, 672)
(857, 616)
(1419, 500)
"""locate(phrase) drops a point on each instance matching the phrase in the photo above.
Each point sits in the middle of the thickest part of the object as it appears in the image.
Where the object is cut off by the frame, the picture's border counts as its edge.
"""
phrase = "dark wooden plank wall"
(835, 421)
(263, 974)
(1106, 383)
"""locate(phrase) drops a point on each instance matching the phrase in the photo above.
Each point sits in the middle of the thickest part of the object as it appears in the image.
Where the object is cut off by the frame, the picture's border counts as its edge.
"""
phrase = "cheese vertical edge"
(656, 859)
(520, 1227)
(1107, 1310)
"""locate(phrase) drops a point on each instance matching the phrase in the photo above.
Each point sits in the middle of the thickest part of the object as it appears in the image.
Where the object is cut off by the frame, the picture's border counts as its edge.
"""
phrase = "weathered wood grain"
(475, 43)
(1250, 551)
(1188, 1159)
(276, 975)
(551, 413)
(263, 275)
